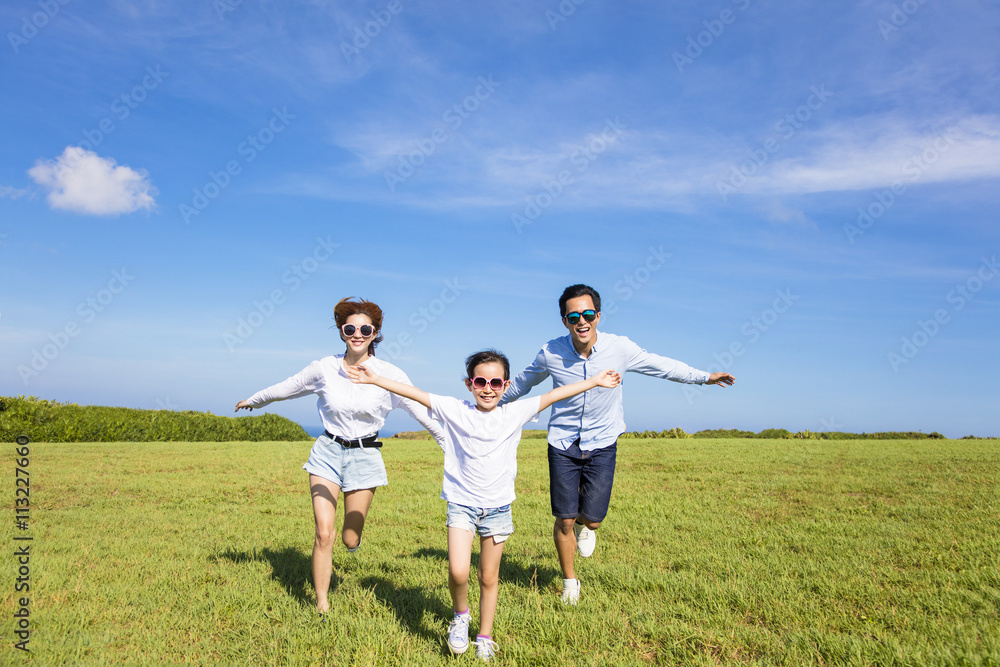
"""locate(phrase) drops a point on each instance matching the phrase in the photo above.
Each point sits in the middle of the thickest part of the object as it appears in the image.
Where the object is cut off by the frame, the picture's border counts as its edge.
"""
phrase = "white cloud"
(83, 182)
(13, 193)
(880, 154)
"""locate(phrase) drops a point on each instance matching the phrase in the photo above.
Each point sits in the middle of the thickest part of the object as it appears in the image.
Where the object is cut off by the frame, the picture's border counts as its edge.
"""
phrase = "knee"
(351, 540)
(565, 526)
(488, 580)
(458, 573)
(324, 537)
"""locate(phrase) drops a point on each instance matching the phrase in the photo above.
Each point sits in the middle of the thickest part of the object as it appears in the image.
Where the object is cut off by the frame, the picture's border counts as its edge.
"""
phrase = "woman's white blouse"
(347, 409)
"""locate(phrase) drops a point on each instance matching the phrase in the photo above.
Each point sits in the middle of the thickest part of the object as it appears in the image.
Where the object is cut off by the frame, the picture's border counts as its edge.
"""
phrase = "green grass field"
(731, 552)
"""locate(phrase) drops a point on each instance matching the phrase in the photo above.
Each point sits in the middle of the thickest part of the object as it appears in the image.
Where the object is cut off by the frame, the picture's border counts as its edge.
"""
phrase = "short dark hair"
(485, 357)
(574, 291)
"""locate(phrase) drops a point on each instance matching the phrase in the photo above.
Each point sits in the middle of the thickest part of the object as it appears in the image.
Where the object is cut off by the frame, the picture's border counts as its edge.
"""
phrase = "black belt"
(370, 441)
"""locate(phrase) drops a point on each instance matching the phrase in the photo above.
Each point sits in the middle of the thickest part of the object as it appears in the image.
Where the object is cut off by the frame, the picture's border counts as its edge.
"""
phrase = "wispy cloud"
(879, 153)
(11, 193)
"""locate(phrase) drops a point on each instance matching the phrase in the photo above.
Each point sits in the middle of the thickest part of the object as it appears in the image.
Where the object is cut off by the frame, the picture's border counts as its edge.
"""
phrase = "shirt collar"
(593, 350)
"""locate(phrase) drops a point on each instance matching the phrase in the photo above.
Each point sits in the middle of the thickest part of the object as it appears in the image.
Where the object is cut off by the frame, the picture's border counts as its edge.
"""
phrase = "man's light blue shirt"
(596, 416)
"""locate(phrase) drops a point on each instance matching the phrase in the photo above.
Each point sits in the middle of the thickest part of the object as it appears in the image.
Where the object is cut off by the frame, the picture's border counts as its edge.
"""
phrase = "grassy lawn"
(733, 552)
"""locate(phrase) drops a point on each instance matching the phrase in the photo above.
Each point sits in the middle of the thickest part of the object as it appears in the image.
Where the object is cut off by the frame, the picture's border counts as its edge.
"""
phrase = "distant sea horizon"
(316, 431)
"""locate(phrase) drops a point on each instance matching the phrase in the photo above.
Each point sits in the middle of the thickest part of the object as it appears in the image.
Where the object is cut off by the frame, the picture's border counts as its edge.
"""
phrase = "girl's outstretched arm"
(361, 375)
(608, 378)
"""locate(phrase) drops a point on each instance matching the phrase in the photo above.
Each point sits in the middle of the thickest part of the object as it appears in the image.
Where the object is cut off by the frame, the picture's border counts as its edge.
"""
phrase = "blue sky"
(804, 194)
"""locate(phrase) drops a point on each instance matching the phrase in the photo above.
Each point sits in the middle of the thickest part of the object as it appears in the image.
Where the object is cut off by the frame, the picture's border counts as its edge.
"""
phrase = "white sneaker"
(458, 634)
(485, 649)
(586, 540)
(571, 591)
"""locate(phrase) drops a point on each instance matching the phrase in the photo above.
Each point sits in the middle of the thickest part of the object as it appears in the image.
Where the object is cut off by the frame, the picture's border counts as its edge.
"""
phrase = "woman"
(346, 457)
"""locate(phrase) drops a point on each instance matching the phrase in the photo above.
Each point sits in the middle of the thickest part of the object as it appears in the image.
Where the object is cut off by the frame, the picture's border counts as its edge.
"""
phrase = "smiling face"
(583, 333)
(487, 398)
(357, 344)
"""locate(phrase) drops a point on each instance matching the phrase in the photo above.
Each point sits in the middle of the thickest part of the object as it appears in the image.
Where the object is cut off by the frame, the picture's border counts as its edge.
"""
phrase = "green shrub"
(724, 433)
(774, 433)
(672, 433)
(782, 434)
(48, 421)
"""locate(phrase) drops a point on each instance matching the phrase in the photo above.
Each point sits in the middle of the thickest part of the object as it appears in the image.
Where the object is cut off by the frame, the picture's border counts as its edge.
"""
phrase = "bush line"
(47, 421)
(784, 434)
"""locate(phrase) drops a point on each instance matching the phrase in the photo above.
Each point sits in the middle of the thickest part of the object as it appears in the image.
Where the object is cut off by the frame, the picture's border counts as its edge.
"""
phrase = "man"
(584, 430)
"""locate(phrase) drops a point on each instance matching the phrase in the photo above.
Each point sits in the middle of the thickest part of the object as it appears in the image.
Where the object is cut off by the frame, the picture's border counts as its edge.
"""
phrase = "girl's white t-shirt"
(480, 449)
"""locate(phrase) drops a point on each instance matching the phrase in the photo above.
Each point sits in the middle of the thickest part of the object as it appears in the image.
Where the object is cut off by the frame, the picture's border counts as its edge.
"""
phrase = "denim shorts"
(497, 522)
(350, 469)
(580, 482)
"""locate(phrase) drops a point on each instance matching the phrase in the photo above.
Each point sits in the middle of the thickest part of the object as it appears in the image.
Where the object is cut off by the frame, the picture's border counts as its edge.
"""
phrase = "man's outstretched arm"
(526, 379)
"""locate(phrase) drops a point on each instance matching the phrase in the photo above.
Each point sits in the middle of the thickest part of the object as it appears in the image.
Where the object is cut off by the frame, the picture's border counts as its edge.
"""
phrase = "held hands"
(609, 379)
(242, 405)
(723, 379)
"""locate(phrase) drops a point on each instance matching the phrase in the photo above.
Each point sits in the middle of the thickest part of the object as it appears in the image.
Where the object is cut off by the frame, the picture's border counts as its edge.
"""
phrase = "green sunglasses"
(573, 318)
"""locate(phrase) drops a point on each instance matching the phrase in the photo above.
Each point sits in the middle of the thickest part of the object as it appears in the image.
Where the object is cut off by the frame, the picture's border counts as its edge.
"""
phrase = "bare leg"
(490, 552)
(356, 504)
(565, 540)
(324, 500)
(459, 563)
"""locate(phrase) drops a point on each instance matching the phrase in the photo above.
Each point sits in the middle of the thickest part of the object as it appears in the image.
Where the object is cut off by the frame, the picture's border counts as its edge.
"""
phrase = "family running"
(355, 391)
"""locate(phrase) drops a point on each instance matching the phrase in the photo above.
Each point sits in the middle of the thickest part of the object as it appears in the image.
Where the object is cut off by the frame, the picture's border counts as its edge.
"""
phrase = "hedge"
(47, 421)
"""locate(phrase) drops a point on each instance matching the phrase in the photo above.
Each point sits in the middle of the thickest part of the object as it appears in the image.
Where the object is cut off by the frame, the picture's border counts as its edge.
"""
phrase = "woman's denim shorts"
(350, 469)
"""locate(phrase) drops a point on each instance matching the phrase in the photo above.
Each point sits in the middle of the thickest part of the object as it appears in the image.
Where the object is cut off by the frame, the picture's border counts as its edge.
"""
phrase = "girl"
(480, 464)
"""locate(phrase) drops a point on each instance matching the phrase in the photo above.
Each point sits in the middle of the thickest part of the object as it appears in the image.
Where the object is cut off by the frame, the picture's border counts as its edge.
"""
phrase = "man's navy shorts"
(580, 482)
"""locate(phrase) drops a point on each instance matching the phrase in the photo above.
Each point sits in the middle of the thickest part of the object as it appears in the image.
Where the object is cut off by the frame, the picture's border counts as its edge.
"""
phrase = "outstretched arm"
(608, 378)
(361, 375)
(522, 383)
